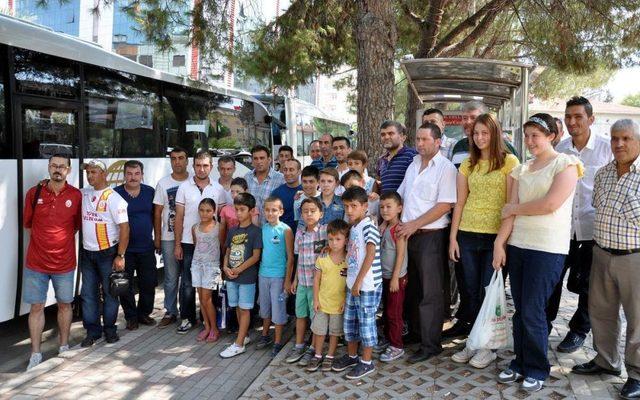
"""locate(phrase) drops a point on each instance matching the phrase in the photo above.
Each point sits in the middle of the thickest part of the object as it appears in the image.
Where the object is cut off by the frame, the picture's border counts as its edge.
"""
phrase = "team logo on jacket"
(68, 203)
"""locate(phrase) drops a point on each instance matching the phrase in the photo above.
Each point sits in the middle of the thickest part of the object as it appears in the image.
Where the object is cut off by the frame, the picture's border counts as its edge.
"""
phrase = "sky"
(624, 82)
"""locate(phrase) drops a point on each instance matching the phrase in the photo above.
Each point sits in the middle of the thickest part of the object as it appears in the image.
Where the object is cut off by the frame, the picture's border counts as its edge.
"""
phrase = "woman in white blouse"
(534, 240)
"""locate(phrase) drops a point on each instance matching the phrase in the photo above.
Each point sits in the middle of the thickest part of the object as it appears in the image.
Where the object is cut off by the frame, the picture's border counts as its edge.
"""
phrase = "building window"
(178, 61)
(146, 60)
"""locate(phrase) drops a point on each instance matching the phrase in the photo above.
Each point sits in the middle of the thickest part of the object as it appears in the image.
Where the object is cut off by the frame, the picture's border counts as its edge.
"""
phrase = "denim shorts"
(273, 304)
(36, 286)
(241, 295)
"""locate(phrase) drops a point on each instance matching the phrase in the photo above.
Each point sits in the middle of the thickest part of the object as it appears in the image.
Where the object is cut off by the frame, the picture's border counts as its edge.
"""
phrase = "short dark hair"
(389, 195)
(432, 111)
(133, 164)
(313, 200)
(245, 199)
(399, 126)
(258, 148)
(351, 174)
(436, 133)
(209, 201)
(226, 159)
(355, 193)
(310, 170)
(581, 101)
(295, 160)
(285, 148)
(344, 138)
(274, 199)
(332, 172)
(338, 226)
(178, 149)
(62, 155)
(202, 154)
(240, 182)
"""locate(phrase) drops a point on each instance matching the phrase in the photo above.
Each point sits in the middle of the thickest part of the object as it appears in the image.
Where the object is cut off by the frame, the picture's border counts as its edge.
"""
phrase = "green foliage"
(632, 100)
(553, 83)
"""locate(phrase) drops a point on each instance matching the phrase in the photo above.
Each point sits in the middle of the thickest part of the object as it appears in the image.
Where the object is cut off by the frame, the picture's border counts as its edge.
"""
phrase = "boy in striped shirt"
(364, 281)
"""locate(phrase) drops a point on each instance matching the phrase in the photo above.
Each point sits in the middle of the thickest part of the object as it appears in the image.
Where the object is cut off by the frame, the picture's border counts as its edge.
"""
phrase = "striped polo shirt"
(361, 234)
(391, 172)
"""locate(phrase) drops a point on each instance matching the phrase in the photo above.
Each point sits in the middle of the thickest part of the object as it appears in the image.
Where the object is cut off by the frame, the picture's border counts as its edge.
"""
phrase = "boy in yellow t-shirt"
(329, 293)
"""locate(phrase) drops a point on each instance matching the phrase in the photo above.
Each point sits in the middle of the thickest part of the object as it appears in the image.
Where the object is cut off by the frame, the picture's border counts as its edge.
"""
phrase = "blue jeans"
(187, 292)
(144, 266)
(476, 257)
(96, 266)
(171, 277)
(533, 275)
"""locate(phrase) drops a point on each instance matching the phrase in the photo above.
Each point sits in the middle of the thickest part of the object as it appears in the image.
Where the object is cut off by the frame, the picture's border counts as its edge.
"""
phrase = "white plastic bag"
(492, 329)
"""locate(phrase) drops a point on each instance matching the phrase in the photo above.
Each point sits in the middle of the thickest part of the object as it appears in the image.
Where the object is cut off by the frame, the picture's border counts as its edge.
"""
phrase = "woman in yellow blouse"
(482, 186)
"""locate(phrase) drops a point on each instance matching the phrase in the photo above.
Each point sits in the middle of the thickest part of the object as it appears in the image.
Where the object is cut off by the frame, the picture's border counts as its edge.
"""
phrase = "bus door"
(45, 127)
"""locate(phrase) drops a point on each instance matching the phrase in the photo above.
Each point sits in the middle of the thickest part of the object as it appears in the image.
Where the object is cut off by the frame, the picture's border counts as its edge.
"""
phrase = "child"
(329, 290)
(228, 218)
(354, 178)
(308, 245)
(357, 161)
(393, 253)
(205, 267)
(310, 177)
(244, 245)
(274, 277)
(364, 281)
(332, 207)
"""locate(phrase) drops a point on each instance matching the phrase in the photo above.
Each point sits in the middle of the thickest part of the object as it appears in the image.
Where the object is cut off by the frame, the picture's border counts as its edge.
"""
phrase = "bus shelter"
(502, 85)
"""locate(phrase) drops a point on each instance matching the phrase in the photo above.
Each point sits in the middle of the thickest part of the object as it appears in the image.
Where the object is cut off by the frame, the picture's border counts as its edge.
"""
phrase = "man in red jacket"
(52, 212)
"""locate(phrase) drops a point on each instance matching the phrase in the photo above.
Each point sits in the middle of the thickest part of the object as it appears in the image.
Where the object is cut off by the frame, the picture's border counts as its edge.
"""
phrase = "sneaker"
(482, 359)
(185, 327)
(263, 342)
(509, 376)
(531, 385)
(295, 354)
(112, 338)
(306, 358)
(63, 349)
(167, 320)
(87, 342)
(276, 349)
(327, 363)
(382, 345)
(246, 340)
(314, 363)
(35, 359)
(361, 370)
(391, 353)
(344, 362)
(232, 351)
(463, 356)
(571, 343)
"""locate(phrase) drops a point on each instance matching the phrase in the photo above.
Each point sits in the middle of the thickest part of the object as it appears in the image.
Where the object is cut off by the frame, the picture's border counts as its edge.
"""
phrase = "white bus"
(59, 94)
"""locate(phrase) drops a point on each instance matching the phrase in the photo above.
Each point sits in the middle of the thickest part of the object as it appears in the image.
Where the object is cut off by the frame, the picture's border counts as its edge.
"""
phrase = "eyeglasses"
(60, 167)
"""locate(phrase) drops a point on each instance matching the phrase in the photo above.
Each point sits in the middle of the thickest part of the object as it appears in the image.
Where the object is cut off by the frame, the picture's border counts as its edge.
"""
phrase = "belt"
(618, 252)
(424, 231)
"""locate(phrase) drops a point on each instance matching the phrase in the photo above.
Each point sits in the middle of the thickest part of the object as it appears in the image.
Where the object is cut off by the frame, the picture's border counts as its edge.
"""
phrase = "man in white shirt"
(163, 225)
(594, 151)
(428, 192)
(105, 237)
(188, 198)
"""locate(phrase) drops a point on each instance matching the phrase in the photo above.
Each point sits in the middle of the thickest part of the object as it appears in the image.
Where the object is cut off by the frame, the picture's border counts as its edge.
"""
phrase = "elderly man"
(327, 160)
(105, 237)
(52, 213)
(393, 164)
(314, 150)
(594, 152)
(615, 277)
(429, 192)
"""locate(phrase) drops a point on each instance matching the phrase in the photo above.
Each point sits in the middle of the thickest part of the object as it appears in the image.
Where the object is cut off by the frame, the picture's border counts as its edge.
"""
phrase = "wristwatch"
(121, 256)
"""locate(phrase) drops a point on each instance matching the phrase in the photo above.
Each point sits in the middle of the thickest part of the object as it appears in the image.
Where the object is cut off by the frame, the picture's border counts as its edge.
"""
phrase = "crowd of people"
(331, 244)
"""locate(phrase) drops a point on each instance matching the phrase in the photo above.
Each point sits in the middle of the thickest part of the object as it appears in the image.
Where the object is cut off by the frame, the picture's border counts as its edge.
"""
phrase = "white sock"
(365, 362)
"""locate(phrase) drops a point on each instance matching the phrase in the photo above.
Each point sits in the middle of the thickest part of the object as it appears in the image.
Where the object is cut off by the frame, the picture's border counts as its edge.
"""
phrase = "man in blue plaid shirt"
(263, 179)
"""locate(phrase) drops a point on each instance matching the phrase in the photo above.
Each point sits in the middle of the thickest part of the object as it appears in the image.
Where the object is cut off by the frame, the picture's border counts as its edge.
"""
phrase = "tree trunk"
(376, 37)
(413, 104)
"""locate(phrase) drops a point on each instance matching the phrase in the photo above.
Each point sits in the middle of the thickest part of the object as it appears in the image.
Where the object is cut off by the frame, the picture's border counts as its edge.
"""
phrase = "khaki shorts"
(323, 322)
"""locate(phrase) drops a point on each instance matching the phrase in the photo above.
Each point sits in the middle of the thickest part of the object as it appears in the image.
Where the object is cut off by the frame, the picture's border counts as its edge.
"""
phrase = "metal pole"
(524, 110)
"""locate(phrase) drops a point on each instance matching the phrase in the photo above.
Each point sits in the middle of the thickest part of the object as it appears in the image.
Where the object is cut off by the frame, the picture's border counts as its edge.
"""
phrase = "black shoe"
(132, 325)
(146, 320)
(631, 389)
(112, 338)
(459, 329)
(421, 355)
(572, 342)
(87, 342)
(591, 368)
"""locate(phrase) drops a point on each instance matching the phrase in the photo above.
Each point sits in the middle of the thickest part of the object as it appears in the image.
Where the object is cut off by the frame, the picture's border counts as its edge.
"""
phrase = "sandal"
(213, 336)
(202, 335)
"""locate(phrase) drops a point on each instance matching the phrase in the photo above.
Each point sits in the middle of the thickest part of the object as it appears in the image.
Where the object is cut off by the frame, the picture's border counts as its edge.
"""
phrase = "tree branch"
(410, 14)
(492, 6)
(431, 28)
